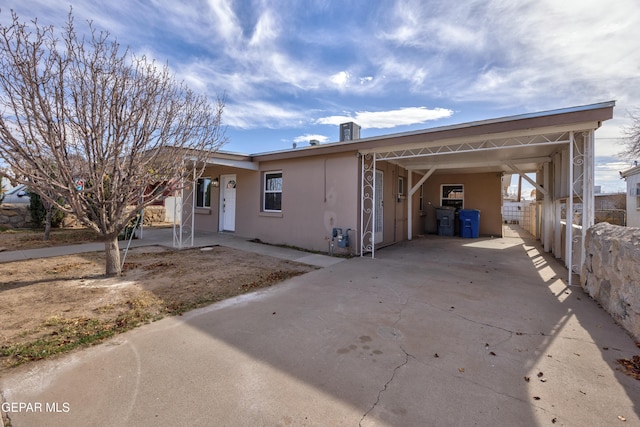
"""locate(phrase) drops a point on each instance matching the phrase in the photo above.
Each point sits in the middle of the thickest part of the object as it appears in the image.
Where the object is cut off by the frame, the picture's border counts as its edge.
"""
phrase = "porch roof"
(525, 141)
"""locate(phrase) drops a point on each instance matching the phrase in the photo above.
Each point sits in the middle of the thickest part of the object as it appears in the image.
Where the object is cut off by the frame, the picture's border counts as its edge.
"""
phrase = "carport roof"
(525, 141)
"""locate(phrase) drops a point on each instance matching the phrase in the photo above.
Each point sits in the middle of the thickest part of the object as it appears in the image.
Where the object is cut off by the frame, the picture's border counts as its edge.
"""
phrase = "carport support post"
(587, 192)
(547, 209)
(373, 213)
(569, 212)
(412, 191)
(409, 204)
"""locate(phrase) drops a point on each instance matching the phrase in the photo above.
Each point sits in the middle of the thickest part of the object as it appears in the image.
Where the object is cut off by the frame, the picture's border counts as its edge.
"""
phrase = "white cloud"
(341, 79)
(266, 30)
(389, 119)
(607, 174)
(225, 20)
(260, 114)
(436, 25)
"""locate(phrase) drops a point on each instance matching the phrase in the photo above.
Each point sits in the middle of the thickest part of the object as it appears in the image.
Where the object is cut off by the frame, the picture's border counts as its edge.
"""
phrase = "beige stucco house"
(386, 189)
(632, 176)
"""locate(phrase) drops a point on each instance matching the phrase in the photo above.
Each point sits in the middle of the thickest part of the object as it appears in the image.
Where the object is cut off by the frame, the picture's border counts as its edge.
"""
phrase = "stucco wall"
(611, 273)
(323, 192)
(481, 191)
(318, 194)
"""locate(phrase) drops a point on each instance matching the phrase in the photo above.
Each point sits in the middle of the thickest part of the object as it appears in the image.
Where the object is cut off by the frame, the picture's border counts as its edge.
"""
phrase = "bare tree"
(109, 132)
(632, 140)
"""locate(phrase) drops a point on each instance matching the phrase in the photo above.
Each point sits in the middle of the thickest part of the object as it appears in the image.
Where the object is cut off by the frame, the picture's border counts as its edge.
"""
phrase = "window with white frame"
(421, 198)
(400, 186)
(203, 193)
(272, 192)
(452, 195)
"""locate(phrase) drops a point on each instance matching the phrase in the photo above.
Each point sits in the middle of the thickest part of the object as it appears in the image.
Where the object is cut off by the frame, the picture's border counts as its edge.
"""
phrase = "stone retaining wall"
(611, 274)
(15, 216)
(18, 216)
(154, 215)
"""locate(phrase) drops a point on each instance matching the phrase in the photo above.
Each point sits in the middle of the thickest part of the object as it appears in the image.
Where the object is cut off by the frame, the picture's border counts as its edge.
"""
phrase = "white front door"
(228, 203)
(377, 227)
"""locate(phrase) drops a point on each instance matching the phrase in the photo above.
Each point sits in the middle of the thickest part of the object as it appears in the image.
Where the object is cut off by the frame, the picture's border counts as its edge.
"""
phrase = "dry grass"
(54, 305)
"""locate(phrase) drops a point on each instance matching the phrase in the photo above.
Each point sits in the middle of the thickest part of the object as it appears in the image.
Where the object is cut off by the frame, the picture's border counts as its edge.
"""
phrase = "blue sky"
(293, 70)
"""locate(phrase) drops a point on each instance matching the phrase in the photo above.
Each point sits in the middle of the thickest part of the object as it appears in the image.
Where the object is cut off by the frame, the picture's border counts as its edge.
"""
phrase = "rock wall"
(611, 274)
(15, 216)
(154, 215)
(18, 216)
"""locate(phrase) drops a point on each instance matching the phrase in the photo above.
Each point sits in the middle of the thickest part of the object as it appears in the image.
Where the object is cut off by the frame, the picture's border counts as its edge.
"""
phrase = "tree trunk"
(47, 223)
(112, 253)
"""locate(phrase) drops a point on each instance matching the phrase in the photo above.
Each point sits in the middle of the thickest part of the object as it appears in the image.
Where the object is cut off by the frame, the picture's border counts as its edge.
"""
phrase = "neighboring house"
(632, 176)
(386, 189)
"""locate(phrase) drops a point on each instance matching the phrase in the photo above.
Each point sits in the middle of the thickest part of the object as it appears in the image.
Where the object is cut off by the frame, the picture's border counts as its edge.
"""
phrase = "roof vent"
(349, 131)
(314, 142)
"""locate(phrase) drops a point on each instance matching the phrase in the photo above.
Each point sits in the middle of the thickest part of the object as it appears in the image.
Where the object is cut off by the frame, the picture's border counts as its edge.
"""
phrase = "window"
(203, 193)
(421, 198)
(452, 195)
(638, 196)
(272, 195)
(400, 186)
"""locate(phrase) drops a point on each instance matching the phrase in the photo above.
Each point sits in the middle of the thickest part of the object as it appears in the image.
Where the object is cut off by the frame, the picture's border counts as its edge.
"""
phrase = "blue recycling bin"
(469, 223)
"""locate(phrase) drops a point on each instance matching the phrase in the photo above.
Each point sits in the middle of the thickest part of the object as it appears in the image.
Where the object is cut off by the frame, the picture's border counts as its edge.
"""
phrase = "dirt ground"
(53, 305)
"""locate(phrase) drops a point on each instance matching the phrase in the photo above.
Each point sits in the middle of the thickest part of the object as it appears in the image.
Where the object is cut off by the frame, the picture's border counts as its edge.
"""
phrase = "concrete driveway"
(436, 331)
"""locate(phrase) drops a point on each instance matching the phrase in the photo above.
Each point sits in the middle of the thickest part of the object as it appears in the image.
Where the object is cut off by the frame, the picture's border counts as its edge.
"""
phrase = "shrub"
(39, 212)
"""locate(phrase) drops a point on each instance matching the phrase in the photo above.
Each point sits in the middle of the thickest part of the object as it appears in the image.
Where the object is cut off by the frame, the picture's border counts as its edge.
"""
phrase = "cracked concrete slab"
(436, 331)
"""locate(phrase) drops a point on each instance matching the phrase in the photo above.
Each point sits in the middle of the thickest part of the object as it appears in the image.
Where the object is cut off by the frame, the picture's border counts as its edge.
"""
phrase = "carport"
(557, 145)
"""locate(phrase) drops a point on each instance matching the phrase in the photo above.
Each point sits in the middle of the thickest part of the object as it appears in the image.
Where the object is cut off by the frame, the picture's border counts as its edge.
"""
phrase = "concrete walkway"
(436, 331)
(164, 237)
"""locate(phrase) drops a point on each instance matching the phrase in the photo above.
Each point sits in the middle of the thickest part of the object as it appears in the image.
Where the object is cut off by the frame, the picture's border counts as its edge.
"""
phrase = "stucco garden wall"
(611, 274)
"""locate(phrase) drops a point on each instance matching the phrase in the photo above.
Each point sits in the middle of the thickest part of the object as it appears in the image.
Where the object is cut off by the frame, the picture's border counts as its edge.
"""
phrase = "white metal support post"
(367, 203)
(588, 215)
(409, 203)
(373, 212)
(362, 171)
(569, 212)
(193, 203)
(412, 191)
(547, 209)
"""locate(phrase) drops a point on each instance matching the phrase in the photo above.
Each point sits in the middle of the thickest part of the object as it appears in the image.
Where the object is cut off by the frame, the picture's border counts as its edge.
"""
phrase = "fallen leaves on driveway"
(630, 367)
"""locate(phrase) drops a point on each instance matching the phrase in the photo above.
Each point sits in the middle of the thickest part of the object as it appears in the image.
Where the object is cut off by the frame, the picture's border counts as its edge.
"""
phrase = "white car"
(18, 194)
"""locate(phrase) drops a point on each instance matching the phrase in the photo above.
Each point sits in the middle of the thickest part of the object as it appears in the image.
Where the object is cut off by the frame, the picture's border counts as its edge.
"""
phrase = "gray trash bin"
(445, 216)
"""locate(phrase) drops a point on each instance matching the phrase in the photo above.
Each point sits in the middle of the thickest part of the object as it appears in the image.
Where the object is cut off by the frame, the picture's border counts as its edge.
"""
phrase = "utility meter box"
(342, 238)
